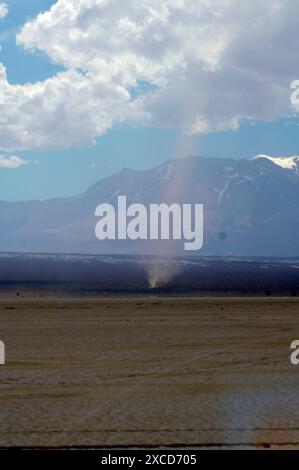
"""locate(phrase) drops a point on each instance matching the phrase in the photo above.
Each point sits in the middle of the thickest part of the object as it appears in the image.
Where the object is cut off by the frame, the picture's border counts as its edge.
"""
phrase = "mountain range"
(250, 209)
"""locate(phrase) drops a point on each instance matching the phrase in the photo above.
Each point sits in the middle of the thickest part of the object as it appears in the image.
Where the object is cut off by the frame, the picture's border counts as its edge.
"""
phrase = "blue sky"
(135, 143)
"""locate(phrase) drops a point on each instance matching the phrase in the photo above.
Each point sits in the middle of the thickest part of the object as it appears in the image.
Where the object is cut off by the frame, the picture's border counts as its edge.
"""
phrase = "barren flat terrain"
(147, 372)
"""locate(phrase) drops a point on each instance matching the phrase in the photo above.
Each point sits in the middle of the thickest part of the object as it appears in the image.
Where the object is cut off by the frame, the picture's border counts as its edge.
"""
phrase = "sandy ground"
(149, 372)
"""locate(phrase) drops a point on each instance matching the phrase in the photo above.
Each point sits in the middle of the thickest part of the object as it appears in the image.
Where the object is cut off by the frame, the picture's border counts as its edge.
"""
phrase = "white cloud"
(70, 109)
(213, 63)
(3, 10)
(12, 162)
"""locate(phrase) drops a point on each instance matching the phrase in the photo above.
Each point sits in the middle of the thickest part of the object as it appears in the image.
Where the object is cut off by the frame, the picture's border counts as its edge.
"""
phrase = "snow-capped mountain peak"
(289, 163)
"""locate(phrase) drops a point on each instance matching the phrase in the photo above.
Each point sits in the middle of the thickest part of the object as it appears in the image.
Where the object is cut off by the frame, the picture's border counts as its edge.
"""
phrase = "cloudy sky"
(91, 86)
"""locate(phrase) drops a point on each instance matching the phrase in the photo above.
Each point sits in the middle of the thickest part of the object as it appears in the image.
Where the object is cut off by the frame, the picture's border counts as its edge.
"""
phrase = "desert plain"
(149, 372)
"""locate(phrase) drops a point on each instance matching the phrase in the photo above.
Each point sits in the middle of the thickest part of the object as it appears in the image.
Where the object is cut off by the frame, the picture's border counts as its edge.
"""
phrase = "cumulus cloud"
(12, 162)
(3, 10)
(70, 109)
(207, 65)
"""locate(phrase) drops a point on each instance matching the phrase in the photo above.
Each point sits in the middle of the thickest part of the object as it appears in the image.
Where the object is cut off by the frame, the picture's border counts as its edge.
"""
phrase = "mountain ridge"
(250, 209)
